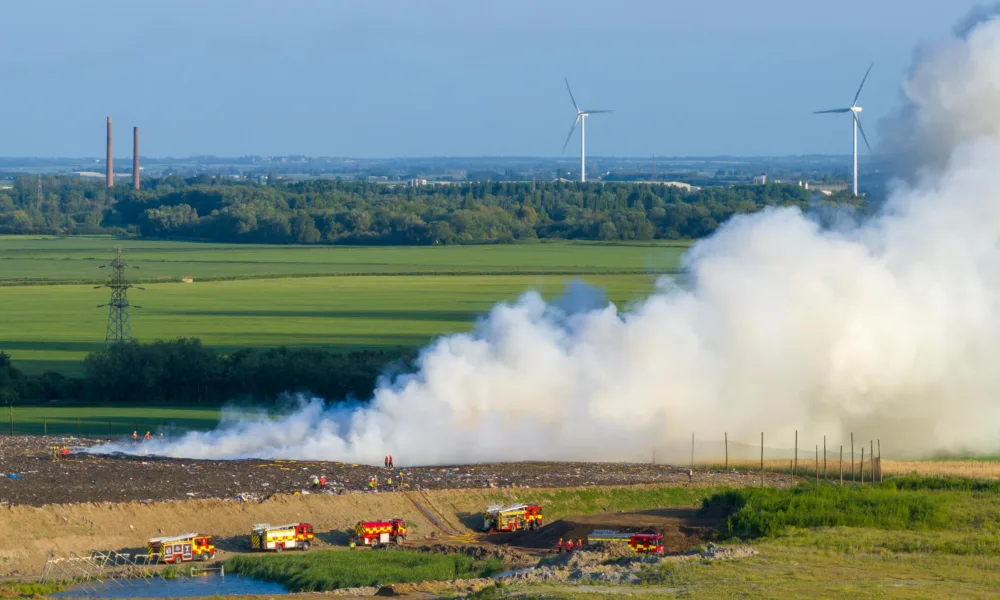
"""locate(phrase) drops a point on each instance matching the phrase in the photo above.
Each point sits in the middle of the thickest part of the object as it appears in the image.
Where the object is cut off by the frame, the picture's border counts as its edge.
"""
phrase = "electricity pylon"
(119, 328)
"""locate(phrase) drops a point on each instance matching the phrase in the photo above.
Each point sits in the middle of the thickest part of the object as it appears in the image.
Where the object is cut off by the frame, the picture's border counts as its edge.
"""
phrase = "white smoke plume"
(890, 329)
(950, 96)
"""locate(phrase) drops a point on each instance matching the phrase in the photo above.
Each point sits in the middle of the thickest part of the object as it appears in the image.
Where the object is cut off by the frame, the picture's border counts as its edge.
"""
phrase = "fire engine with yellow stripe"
(281, 537)
(647, 542)
(497, 517)
(379, 533)
(181, 548)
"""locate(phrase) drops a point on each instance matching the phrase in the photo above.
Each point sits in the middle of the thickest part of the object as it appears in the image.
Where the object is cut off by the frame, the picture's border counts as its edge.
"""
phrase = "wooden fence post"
(795, 465)
(761, 459)
(841, 465)
(871, 458)
(824, 457)
(880, 461)
(862, 466)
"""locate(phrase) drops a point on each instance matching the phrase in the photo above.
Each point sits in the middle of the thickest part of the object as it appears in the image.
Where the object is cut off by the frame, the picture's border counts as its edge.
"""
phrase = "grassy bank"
(324, 571)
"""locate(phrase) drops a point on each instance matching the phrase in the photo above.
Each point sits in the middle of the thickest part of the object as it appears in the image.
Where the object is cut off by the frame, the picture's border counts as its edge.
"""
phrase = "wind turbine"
(854, 109)
(581, 118)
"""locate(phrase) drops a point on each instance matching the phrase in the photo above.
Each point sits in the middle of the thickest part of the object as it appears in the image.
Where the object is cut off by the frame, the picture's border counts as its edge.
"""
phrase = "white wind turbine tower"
(854, 109)
(581, 118)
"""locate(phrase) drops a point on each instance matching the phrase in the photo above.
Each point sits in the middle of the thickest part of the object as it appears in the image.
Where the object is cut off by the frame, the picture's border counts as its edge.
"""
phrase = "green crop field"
(106, 422)
(244, 295)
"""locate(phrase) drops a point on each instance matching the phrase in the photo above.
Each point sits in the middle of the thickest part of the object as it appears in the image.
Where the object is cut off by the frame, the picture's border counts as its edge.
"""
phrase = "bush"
(766, 512)
(938, 482)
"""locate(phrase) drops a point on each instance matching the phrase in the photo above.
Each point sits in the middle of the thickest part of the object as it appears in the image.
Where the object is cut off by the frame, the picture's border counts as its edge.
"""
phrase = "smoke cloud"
(890, 329)
(951, 96)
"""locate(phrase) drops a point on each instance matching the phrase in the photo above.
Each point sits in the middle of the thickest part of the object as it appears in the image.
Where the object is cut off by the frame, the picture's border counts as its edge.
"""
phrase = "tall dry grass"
(976, 469)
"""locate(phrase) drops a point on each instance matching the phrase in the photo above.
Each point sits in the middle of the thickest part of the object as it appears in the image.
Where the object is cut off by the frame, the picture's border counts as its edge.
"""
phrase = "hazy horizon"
(392, 79)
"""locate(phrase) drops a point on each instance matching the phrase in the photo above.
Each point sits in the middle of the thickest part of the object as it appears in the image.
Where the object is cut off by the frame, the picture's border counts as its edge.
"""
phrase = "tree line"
(319, 211)
(184, 371)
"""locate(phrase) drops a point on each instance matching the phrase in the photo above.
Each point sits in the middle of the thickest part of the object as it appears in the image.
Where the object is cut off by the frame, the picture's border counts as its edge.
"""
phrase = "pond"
(182, 587)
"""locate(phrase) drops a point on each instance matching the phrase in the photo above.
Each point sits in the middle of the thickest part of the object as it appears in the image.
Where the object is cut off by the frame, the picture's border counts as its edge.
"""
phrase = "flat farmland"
(334, 297)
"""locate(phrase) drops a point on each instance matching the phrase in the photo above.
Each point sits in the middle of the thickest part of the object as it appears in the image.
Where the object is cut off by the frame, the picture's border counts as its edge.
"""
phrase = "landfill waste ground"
(65, 506)
(40, 479)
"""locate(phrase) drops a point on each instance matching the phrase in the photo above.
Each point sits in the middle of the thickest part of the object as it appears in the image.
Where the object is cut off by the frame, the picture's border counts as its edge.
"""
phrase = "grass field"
(247, 295)
(324, 571)
(104, 422)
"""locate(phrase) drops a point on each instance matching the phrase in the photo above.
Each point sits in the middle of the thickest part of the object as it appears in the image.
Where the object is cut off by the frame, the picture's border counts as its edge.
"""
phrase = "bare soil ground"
(81, 477)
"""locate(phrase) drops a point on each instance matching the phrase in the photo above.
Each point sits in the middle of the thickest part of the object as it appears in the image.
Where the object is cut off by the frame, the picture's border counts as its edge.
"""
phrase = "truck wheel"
(305, 546)
(279, 547)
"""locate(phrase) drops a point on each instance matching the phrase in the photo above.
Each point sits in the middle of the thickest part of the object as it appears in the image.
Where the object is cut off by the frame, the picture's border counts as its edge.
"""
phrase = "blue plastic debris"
(14, 476)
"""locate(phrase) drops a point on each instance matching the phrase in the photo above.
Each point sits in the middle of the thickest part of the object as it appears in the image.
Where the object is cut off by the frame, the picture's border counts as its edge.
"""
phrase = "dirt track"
(93, 478)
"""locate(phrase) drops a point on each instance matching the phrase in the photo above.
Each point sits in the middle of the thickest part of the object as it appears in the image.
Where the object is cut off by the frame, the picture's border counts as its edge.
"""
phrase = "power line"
(119, 327)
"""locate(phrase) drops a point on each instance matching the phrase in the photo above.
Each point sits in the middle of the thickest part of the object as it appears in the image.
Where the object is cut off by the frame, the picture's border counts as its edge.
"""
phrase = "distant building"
(761, 180)
(416, 181)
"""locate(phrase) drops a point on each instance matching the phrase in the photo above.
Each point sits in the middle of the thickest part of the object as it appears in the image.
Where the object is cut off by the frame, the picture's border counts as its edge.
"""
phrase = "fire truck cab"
(379, 533)
(181, 548)
(281, 537)
(512, 518)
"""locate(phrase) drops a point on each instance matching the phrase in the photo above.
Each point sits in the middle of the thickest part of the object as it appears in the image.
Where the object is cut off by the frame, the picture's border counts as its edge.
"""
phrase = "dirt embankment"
(28, 534)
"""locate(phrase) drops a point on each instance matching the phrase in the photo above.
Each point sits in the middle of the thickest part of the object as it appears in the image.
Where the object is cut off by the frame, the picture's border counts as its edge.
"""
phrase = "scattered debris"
(120, 478)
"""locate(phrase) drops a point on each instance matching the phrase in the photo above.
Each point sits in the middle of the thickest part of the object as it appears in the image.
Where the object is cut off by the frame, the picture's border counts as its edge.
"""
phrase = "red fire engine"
(379, 533)
(512, 518)
(643, 543)
(181, 548)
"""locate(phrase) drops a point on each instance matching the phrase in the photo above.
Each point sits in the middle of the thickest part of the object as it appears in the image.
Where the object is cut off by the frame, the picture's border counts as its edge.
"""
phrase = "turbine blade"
(575, 105)
(862, 130)
(571, 130)
(862, 84)
(594, 112)
(834, 110)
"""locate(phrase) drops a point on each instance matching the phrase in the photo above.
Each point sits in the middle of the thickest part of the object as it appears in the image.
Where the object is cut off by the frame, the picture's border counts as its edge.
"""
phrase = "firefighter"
(64, 452)
(386, 461)
(314, 481)
(390, 462)
(322, 482)
(135, 437)
(569, 545)
(559, 546)
(690, 475)
(148, 437)
(579, 543)
(389, 481)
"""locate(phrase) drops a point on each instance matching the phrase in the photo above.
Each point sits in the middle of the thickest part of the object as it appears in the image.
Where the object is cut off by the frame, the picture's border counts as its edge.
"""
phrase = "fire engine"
(379, 533)
(513, 517)
(643, 543)
(281, 537)
(181, 548)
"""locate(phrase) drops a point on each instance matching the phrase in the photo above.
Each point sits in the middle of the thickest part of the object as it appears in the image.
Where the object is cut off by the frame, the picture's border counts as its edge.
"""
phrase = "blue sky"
(451, 78)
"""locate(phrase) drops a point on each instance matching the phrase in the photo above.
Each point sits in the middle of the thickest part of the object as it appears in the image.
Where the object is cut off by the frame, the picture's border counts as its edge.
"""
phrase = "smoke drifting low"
(890, 329)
